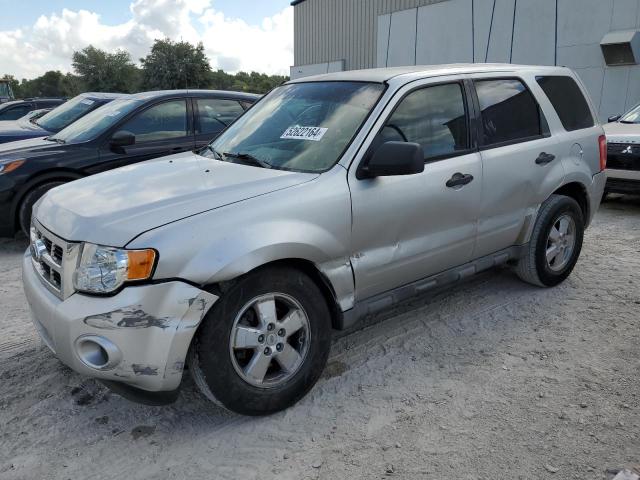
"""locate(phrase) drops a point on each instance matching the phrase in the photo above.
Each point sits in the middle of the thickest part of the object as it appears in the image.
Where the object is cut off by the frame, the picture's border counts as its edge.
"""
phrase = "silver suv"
(333, 197)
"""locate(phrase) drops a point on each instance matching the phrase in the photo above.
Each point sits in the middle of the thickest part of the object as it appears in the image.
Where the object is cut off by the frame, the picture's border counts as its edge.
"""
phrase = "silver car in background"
(333, 197)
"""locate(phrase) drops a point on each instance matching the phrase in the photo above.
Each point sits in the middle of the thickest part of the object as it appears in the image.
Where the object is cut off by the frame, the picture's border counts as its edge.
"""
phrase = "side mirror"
(393, 158)
(122, 138)
(614, 118)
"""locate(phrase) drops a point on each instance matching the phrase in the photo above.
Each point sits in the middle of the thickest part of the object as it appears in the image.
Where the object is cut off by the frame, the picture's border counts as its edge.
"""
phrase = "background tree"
(169, 65)
(172, 65)
(106, 72)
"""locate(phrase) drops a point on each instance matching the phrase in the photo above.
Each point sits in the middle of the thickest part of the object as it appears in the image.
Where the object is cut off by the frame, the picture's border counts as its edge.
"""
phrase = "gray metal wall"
(370, 33)
(329, 30)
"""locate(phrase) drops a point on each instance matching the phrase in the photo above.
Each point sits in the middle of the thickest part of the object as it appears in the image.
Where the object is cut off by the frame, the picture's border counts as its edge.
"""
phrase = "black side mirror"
(614, 118)
(393, 158)
(122, 138)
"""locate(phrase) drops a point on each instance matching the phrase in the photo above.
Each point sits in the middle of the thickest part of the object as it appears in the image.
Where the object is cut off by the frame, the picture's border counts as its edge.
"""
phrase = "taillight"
(602, 141)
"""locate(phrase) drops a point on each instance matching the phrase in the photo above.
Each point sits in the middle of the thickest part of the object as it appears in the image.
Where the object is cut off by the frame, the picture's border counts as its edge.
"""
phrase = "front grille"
(53, 259)
(623, 156)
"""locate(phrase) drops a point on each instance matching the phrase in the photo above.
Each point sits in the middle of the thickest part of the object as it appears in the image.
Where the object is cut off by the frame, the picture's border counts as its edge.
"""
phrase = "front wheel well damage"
(304, 266)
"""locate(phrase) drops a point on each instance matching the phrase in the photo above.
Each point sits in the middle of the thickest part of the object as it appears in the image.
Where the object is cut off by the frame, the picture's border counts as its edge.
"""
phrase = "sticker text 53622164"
(304, 133)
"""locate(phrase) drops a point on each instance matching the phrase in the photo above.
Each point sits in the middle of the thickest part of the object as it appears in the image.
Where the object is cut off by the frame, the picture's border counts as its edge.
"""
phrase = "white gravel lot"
(493, 379)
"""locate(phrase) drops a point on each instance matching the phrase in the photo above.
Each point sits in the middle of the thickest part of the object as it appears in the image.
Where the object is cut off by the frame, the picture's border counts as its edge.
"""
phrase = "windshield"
(632, 116)
(67, 113)
(97, 122)
(302, 127)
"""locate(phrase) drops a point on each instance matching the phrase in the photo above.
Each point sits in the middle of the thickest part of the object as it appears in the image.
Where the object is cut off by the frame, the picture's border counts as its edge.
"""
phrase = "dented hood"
(114, 207)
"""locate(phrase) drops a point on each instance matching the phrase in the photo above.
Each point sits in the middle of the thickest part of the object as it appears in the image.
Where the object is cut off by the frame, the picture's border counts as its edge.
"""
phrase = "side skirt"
(387, 299)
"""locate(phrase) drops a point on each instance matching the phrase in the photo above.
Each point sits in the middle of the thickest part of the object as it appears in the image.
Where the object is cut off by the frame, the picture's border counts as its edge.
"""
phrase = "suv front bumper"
(139, 337)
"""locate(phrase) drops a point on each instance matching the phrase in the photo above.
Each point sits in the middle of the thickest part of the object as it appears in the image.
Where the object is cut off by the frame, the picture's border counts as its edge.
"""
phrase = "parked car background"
(623, 153)
(128, 130)
(57, 119)
(19, 108)
(36, 114)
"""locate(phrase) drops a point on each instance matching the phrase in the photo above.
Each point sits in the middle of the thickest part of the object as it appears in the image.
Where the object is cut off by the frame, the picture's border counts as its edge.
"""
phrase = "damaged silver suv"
(333, 197)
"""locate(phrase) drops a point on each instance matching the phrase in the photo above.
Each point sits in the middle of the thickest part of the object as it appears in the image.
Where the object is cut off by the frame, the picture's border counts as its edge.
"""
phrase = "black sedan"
(54, 121)
(128, 130)
(19, 108)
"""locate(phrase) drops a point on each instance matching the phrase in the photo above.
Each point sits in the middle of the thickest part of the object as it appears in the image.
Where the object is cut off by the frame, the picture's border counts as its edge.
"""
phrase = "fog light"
(98, 352)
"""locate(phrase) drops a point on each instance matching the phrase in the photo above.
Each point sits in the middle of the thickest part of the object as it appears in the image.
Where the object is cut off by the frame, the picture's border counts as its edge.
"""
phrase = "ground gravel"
(492, 379)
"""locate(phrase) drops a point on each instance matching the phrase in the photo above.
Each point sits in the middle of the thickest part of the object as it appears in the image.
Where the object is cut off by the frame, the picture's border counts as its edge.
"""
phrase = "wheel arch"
(578, 192)
(36, 181)
(303, 265)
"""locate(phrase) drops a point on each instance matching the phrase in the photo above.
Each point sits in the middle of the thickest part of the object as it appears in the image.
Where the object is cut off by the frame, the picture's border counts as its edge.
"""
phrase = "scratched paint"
(130, 317)
(139, 369)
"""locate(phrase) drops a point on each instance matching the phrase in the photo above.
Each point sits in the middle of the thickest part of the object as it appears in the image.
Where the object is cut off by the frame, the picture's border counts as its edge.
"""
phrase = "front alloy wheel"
(269, 340)
(264, 343)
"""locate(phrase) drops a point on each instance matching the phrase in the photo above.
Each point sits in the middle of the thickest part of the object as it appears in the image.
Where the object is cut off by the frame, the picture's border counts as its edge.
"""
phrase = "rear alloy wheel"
(264, 343)
(555, 243)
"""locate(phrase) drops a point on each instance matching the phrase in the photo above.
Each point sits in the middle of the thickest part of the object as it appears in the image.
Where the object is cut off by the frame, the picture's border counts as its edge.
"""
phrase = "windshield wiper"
(57, 140)
(215, 152)
(248, 159)
(627, 122)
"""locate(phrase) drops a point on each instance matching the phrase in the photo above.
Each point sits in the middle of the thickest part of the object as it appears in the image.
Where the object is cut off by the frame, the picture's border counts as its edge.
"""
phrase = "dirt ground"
(493, 379)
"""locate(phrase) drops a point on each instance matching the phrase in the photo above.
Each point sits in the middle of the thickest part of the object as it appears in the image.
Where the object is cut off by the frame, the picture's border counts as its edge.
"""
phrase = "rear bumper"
(615, 185)
(623, 181)
(145, 330)
(596, 189)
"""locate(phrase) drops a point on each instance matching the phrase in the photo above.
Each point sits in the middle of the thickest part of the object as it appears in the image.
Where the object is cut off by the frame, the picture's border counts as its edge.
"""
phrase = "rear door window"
(568, 100)
(509, 112)
(435, 117)
(216, 114)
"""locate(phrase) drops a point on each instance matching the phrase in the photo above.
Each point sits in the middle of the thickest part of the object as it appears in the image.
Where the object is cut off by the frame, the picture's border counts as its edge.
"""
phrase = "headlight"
(106, 269)
(6, 167)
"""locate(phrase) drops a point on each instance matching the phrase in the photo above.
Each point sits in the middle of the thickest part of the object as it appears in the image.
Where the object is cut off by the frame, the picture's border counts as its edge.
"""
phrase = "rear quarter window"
(509, 112)
(568, 101)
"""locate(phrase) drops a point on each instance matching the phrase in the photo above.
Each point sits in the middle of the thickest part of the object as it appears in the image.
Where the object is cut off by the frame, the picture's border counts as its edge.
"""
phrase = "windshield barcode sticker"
(305, 133)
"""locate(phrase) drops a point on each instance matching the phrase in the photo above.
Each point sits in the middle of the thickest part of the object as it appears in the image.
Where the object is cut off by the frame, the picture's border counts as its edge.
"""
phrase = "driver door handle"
(459, 180)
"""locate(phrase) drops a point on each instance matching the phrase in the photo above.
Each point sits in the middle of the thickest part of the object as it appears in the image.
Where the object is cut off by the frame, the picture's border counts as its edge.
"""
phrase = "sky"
(237, 34)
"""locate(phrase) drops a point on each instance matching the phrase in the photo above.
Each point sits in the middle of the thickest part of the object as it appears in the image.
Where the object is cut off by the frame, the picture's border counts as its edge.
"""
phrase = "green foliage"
(169, 65)
(172, 65)
(51, 84)
(253, 82)
(106, 72)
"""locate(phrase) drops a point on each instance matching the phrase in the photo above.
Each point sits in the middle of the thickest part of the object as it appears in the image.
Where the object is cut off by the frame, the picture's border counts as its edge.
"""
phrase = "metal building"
(600, 39)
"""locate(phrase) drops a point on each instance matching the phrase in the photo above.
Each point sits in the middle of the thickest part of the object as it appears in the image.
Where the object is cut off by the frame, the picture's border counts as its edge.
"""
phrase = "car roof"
(103, 95)
(199, 93)
(382, 75)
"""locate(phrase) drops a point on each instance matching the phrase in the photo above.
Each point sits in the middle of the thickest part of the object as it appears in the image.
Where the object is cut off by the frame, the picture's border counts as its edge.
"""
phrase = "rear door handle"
(545, 158)
(459, 180)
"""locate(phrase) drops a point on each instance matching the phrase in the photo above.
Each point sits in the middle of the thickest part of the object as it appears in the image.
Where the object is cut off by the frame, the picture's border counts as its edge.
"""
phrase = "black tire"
(210, 359)
(533, 266)
(30, 199)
